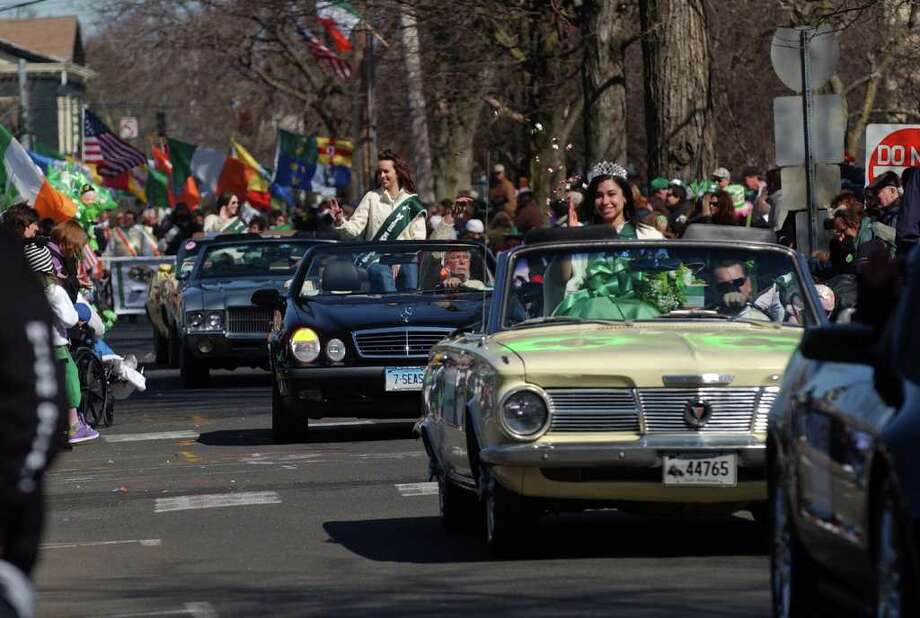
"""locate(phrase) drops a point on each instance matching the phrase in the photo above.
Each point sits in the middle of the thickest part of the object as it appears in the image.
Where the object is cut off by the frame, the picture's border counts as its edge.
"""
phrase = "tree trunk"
(418, 123)
(605, 27)
(678, 88)
(457, 121)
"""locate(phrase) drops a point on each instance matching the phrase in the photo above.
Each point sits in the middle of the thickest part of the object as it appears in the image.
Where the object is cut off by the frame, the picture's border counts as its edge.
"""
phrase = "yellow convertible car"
(615, 373)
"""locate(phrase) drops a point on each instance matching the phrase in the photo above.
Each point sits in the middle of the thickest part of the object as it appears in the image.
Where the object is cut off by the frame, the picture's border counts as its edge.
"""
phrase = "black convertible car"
(351, 336)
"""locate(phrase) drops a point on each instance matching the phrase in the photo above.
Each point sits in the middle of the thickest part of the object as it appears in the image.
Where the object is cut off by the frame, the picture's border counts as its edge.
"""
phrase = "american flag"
(107, 151)
(339, 67)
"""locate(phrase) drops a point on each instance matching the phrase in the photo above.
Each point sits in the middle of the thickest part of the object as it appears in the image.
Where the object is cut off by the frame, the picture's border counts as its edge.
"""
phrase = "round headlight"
(524, 413)
(195, 319)
(215, 320)
(305, 345)
(335, 350)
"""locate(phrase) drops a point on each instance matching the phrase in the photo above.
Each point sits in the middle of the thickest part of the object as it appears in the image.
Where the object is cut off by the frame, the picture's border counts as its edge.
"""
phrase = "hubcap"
(782, 554)
(888, 568)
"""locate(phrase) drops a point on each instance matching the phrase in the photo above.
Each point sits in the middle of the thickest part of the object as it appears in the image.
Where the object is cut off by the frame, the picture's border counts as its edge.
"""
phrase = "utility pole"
(25, 122)
(370, 113)
(808, 121)
(421, 150)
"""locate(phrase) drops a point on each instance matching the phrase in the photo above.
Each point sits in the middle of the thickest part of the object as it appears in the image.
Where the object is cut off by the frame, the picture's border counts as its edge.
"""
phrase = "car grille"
(409, 342)
(658, 410)
(248, 321)
(593, 410)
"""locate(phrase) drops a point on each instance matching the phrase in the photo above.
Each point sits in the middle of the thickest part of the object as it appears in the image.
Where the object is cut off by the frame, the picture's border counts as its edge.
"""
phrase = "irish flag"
(20, 171)
(339, 19)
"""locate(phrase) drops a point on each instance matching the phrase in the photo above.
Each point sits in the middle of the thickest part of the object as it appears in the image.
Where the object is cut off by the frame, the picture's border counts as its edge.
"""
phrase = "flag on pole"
(157, 189)
(21, 172)
(335, 154)
(340, 68)
(339, 19)
(259, 180)
(202, 164)
(243, 176)
(107, 151)
(295, 156)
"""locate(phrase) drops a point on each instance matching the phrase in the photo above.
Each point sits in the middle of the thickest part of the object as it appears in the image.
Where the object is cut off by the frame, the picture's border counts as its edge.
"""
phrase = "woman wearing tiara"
(610, 202)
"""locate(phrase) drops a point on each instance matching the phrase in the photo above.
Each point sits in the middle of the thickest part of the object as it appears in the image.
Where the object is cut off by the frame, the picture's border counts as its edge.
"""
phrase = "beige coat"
(373, 210)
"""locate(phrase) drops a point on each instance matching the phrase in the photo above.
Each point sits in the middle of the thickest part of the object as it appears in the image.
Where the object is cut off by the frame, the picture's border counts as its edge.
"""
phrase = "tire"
(94, 388)
(192, 372)
(289, 424)
(892, 567)
(173, 354)
(792, 571)
(506, 521)
(160, 348)
(456, 505)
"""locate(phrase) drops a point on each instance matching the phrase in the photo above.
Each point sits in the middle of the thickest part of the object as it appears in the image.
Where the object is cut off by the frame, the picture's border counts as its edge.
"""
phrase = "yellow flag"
(332, 151)
(257, 181)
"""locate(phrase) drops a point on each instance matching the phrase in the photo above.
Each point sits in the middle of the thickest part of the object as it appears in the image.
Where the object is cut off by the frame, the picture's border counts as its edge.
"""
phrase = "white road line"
(160, 435)
(198, 609)
(213, 501)
(141, 542)
(407, 490)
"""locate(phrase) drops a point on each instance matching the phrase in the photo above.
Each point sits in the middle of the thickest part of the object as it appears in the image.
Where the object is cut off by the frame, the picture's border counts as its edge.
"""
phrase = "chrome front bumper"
(646, 452)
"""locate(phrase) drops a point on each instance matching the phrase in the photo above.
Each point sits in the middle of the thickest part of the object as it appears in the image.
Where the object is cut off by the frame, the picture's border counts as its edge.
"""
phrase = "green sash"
(234, 225)
(627, 232)
(398, 220)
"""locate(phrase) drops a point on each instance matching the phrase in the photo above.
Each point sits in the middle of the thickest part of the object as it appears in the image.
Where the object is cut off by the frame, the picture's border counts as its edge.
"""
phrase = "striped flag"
(340, 68)
(107, 151)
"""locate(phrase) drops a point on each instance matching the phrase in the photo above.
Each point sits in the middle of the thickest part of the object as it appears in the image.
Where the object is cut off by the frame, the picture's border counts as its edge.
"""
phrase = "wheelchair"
(97, 403)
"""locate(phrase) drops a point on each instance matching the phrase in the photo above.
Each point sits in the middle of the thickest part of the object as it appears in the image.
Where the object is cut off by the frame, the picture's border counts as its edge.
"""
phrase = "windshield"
(453, 269)
(655, 283)
(252, 259)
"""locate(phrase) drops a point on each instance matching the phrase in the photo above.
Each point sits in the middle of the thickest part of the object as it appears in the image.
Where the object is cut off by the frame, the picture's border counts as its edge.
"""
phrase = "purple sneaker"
(82, 433)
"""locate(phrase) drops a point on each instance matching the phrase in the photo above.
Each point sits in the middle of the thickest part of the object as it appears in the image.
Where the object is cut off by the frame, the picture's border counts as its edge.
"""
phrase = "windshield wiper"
(560, 319)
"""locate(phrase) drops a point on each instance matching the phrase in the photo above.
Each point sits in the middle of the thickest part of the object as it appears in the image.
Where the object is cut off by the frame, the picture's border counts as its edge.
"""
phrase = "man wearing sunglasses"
(733, 291)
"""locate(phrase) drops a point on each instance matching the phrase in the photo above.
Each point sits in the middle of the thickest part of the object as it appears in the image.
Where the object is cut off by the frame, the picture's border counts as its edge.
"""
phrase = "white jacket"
(373, 210)
(65, 314)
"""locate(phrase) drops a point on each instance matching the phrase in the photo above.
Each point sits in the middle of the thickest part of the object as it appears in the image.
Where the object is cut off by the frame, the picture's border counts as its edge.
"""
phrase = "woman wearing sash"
(226, 220)
(392, 211)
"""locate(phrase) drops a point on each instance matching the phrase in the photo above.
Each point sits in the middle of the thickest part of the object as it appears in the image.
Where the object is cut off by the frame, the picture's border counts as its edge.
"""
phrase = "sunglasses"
(730, 286)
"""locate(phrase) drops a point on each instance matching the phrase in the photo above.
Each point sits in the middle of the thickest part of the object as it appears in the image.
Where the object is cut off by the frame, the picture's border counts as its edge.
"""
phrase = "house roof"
(54, 37)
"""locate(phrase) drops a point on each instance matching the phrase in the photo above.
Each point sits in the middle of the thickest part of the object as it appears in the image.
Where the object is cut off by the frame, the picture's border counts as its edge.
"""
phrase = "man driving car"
(456, 271)
(733, 291)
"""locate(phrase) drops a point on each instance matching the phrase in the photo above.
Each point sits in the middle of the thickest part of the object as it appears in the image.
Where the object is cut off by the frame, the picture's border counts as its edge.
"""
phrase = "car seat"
(341, 276)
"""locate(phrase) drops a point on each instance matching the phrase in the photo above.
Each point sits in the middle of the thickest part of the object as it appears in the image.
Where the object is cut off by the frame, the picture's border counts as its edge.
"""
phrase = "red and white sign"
(891, 147)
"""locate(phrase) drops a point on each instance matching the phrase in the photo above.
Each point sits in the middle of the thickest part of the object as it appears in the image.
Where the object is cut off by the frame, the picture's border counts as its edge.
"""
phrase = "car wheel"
(160, 348)
(456, 505)
(791, 568)
(892, 579)
(289, 424)
(192, 372)
(506, 521)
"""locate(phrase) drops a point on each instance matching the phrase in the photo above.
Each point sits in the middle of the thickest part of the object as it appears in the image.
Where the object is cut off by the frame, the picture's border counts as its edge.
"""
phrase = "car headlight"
(524, 414)
(195, 319)
(305, 345)
(335, 350)
(215, 320)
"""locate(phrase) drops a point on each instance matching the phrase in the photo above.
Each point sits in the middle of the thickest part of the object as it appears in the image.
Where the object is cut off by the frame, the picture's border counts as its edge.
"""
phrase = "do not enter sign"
(891, 147)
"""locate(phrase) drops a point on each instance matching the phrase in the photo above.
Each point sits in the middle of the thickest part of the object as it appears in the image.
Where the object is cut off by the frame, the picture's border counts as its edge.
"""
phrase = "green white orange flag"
(339, 20)
(21, 172)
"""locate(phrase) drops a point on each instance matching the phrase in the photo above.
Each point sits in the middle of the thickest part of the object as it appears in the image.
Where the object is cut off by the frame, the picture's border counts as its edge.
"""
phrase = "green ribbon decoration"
(608, 293)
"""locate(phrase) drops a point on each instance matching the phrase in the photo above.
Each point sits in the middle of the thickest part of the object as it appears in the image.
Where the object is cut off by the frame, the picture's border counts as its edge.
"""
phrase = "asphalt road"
(186, 508)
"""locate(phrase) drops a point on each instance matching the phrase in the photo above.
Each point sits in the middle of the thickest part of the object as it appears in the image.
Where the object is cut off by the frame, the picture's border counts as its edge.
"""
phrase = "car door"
(837, 418)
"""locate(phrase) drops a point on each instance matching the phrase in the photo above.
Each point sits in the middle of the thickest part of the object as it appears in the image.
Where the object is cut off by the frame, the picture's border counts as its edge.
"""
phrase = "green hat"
(737, 194)
(659, 183)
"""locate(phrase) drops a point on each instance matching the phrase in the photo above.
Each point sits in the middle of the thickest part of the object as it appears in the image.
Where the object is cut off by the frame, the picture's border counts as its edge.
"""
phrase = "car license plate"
(707, 470)
(404, 378)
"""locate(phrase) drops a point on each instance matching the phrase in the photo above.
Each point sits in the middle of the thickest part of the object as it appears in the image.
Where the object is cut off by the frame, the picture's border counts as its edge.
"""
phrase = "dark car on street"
(216, 326)
(351, 336)
(844, 461)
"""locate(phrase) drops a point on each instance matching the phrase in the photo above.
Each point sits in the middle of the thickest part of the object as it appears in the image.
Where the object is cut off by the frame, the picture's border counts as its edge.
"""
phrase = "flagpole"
(83, 134)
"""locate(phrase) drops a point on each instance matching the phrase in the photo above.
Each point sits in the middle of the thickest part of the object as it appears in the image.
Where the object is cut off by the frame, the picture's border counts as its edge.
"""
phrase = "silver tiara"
(606, 168)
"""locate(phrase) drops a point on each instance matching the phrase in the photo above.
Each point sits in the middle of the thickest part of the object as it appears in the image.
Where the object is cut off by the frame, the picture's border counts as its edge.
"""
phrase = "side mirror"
(268, 298)
(840, 344)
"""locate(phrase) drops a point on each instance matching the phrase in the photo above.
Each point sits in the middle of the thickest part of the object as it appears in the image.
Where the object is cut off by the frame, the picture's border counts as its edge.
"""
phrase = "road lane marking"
(159, 435)
(198, 609)
(141, 542)
(212, 501)
(407, 490)
(189, 456)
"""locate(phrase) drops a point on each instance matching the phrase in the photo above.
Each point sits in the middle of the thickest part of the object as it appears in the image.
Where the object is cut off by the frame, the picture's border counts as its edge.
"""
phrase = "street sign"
(792, 179)
(828, 130)
(823, 53)
(891, 147)
(128, 127)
